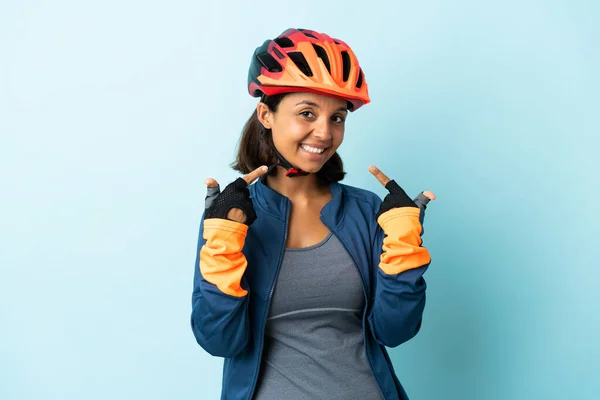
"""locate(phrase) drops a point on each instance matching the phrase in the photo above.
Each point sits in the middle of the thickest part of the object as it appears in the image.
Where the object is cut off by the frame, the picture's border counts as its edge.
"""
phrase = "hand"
(234, 202)
(397, 196)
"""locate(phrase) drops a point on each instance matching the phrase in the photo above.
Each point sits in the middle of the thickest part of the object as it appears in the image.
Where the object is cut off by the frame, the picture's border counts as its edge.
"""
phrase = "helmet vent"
(346, 65)
(306, 32)
(359, 82)
(323, 56)
(284, 42)
(269, 62)
(301, 63)
(278, 53)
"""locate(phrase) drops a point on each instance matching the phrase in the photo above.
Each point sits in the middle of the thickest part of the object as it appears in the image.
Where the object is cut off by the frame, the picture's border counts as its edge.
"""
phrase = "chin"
(313, 169)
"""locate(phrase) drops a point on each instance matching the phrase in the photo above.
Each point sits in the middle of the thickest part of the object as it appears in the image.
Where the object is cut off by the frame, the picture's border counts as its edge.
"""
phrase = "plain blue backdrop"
(112, 114)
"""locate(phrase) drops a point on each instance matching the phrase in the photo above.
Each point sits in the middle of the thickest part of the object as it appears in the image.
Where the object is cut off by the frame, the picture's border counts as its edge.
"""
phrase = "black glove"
(235, 195)
(398, 198)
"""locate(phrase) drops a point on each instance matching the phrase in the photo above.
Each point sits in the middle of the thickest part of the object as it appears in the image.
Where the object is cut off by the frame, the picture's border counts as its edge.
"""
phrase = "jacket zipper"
(364, 318)
(262, 339)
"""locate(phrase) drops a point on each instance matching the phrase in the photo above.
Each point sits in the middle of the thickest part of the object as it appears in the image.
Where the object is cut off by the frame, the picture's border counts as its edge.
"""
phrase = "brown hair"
(255, 149)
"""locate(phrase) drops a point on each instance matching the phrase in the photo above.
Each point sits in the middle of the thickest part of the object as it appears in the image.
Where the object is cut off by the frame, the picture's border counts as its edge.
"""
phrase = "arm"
(399, 298)
(219, 319)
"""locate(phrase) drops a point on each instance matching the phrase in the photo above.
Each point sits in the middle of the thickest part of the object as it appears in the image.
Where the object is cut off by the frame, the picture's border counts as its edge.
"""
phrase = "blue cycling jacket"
(236, 270)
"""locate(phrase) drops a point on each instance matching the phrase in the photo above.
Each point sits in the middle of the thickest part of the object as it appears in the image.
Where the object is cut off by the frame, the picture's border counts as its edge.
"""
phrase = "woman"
(300, 281)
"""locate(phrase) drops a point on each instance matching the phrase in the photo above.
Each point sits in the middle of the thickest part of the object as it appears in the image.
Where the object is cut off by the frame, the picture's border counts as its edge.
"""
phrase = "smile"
(313, 150)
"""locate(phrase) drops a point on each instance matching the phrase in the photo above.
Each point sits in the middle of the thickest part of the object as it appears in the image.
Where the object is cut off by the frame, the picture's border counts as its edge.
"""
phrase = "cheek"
(289, 134)
(337, 137)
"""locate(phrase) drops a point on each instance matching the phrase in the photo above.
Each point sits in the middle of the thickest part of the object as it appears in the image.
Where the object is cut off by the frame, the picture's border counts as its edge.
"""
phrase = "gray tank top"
(314, 345)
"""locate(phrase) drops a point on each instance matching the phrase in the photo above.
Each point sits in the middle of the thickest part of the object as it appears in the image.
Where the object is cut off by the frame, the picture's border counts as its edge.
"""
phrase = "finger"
(237, 215)
(254, 175)
(211, 195)
(212, 192)
(429, 195)
(381, 177)
(210, 182)
(423, 199)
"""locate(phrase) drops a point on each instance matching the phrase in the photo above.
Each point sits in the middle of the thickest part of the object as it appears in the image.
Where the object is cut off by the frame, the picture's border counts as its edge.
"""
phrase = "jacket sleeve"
(219, 319)
(399, 295)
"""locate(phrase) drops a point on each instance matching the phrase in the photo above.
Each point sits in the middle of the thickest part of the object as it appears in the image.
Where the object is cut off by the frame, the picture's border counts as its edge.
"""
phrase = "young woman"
(300, 281)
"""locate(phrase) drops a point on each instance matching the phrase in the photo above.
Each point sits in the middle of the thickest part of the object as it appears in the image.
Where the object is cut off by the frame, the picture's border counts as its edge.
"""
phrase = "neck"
(296, 187)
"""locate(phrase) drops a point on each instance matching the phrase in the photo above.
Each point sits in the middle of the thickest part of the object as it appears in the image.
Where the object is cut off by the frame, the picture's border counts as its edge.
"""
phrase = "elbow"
(215, 343)
(220, 323)
(400, 336)
(219, 349)
(397, 326)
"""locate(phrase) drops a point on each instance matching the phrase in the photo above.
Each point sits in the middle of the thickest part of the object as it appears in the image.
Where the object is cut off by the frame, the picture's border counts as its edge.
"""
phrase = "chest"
(268, 240)
(305, 225)
(317, 279)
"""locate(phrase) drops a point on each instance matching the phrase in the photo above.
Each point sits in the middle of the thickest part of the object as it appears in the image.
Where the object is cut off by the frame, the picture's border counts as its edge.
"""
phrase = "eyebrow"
(311, 103)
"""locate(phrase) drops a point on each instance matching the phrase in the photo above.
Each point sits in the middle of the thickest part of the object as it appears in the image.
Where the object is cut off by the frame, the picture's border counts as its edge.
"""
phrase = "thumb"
(423, 199)
(212, 192)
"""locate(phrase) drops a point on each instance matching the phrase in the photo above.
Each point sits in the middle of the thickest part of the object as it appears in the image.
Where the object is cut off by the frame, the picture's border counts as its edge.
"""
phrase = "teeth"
(312, 149)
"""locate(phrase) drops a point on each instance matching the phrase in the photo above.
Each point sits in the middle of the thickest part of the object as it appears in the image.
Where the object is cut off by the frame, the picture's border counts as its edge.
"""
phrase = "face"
(307, 128)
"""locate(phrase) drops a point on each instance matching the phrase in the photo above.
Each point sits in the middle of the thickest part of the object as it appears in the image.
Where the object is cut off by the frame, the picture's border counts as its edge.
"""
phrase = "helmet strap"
(291, 171)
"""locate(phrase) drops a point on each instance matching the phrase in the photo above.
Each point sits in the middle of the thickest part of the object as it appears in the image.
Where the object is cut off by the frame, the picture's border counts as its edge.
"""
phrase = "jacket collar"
(277, 204)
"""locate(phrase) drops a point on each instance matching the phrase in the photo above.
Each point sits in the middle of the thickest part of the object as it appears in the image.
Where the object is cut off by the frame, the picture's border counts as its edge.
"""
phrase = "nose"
(322, 129)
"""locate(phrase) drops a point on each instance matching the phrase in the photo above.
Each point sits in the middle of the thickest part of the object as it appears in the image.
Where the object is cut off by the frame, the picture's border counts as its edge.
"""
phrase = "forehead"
(322, 101)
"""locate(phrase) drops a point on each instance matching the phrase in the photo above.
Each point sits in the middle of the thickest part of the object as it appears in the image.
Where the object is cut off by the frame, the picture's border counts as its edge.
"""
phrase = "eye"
(338, 118)
(307, 114)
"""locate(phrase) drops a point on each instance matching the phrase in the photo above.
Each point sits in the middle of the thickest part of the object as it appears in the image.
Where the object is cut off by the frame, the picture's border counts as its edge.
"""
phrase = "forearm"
(399, 298)
(219, 319)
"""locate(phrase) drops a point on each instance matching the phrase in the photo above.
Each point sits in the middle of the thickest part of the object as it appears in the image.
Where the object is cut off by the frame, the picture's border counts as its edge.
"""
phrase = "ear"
(264, 114)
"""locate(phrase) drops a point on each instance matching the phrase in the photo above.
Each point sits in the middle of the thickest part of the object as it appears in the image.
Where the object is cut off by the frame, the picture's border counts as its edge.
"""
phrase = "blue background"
(112, 114)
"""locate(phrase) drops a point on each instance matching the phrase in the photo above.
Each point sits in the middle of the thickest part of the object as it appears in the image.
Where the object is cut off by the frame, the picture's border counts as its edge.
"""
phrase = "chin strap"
(291, 171)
